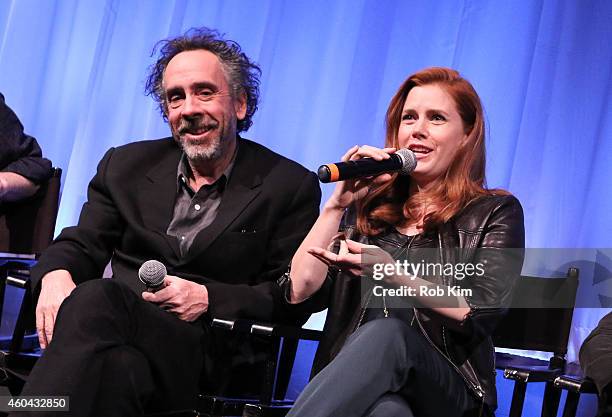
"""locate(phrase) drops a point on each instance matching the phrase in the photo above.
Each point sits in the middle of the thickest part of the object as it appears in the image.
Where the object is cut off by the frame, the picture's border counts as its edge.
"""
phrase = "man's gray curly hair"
(241, 73)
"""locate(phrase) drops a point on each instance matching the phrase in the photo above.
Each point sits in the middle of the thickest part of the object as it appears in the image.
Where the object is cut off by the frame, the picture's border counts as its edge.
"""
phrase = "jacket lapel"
(242, 188)
(157, 195)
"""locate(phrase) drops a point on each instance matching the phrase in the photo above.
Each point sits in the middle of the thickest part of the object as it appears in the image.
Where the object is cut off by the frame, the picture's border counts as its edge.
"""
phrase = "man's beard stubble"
(207, 150)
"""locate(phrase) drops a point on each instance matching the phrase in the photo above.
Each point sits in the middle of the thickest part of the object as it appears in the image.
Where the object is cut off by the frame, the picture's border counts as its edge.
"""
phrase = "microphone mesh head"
(409, 161)
(152, 273)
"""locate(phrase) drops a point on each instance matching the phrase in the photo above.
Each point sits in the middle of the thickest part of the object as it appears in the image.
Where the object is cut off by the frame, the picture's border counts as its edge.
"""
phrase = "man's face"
(200, 108)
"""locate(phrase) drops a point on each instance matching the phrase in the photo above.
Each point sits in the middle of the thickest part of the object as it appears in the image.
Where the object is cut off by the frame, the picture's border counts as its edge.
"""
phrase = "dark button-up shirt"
(194, 211)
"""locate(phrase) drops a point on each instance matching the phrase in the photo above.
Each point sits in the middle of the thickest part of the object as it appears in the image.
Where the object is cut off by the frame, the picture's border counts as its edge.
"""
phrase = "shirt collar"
(184, 172)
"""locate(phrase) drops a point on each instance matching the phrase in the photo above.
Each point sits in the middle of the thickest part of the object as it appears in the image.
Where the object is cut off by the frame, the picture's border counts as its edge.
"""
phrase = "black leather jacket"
(489, 222)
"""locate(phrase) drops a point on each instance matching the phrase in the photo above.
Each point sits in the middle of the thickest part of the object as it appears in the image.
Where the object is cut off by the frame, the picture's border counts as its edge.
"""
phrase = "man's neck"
(208, 171)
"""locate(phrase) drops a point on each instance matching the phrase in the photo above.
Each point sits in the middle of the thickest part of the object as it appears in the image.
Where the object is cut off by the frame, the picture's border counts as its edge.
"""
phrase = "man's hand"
(14, 187)
(54, 288)
(187, 299)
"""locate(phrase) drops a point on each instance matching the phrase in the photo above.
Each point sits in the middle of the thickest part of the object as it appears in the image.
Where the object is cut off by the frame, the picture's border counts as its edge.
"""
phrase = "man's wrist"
(57, 275)
(3, 186)
(205, 295)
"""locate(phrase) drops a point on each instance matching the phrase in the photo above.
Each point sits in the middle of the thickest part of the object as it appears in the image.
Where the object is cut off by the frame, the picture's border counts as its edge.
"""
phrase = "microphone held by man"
(152, 274)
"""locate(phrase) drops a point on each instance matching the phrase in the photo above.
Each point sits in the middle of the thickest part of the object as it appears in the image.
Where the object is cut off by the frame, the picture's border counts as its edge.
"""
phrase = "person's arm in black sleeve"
(78, 254)
(85, 249)
(22, 166)
(265, 301)
(501, 252)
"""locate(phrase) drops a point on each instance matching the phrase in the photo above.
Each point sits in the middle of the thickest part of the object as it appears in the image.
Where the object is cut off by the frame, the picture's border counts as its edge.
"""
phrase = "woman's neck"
(414, 226)
(422, 187)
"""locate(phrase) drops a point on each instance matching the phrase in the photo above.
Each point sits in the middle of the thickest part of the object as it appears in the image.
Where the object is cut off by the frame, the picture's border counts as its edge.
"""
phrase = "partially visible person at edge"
(22, 167)
(437, 359)
(224, 214)
(596, 362)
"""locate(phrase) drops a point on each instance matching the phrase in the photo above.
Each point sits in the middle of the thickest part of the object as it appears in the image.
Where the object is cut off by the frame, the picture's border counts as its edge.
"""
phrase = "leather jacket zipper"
(467, 362)
(476, 387)
(362, 313)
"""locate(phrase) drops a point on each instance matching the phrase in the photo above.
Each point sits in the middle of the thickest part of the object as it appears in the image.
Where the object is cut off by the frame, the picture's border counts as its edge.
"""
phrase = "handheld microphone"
(152, 274)
(403, 161)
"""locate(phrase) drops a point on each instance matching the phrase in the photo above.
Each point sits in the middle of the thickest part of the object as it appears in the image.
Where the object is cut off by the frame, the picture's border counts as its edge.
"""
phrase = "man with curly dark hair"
(223, 214)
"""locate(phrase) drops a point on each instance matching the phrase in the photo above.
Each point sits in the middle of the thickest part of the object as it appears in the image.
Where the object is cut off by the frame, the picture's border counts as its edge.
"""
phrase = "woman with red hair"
(405, 343)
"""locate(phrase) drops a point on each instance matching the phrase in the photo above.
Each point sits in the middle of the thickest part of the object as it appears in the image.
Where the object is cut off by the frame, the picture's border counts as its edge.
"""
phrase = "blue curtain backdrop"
(74, 72)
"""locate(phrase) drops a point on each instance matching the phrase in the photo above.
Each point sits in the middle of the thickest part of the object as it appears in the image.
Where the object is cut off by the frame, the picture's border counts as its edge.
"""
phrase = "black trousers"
(386, 369)
(115, 354)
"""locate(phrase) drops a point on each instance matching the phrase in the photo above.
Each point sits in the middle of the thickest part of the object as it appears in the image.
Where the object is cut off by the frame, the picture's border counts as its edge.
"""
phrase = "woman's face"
(432, 128)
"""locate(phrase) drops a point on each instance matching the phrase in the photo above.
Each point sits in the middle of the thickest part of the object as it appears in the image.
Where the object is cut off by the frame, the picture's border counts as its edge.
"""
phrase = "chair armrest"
(531, 374)
(526, 369)
(576, 383)
(8, 257)
(16, 261)
(568, 383)
(264, 329)
(18, 278)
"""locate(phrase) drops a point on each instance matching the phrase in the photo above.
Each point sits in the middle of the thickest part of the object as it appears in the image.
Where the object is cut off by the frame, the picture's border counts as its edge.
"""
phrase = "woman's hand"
(307, 272)
(354, 257)
(349, 191)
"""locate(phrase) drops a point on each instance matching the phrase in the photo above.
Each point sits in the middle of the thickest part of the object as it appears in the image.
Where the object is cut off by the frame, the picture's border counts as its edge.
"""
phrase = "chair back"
(27, 226)
(540, 316)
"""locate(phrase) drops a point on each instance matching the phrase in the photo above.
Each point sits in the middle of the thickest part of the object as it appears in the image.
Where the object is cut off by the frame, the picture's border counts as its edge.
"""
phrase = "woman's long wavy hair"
(391, 204)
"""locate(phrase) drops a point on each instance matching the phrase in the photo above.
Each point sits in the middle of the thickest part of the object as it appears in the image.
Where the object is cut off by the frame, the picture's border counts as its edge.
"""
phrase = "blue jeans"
(387, 369)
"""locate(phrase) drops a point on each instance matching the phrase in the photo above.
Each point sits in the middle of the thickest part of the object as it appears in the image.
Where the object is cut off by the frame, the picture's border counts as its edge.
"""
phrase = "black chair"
(282, 342)
(23, 351)
(27, 226)
(540, 319)
(575, 383)
(26, 229)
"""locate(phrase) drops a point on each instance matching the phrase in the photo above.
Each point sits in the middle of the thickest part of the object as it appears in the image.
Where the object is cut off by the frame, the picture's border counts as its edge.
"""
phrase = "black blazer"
(20, 153)
(267, 208)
